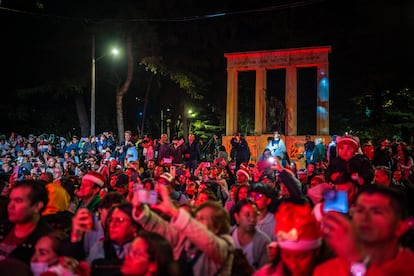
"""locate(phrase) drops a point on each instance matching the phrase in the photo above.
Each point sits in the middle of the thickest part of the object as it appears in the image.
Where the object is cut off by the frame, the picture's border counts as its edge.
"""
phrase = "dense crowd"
(144, 206)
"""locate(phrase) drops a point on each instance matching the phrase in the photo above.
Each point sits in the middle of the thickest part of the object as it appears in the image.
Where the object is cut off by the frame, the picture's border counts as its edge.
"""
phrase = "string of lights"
(174, 19)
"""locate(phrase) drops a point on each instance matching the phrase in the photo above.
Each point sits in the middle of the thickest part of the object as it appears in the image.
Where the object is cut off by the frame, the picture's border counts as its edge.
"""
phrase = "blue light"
(324, 89)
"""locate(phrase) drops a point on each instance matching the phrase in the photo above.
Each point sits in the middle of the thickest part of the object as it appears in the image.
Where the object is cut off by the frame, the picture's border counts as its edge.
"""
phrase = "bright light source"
(115, 51)
(190, 111)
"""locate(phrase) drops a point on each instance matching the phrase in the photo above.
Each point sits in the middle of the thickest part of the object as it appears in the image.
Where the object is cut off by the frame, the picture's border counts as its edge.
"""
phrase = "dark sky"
(371, 41)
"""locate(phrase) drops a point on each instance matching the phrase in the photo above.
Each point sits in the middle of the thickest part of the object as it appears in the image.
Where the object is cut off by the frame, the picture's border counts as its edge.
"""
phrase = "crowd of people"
(107, 206)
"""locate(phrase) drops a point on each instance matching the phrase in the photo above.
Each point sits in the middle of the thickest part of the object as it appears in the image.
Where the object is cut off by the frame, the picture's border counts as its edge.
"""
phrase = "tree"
(380, 114)
(68, 90)
(121, 91)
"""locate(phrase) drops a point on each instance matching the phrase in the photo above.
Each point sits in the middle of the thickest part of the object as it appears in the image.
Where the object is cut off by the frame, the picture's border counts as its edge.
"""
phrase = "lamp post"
(93, 88)
(93, 82)
(191, 115)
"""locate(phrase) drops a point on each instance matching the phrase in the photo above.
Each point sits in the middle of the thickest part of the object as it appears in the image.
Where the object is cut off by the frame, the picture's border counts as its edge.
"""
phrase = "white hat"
(167, 176)
(243, 171)
(348, 139)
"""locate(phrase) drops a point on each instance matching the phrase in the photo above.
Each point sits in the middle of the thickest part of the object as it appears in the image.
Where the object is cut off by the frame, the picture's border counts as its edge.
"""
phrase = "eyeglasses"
(256, 196)
(135, 253)
(118, 220)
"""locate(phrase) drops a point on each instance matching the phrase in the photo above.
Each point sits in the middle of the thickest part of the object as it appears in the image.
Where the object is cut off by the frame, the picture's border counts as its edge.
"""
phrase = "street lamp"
(191, 115)
(94, 60)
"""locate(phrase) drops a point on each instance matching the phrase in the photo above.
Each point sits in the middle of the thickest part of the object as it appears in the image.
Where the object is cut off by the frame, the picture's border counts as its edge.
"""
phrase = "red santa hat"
(244, 172)
(95, 177)
(113, 163)
(297, 228)
(167, 176)
(349, 140)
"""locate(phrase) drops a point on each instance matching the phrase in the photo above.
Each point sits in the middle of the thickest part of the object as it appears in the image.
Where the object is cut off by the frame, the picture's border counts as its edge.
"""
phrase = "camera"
(147, 196)
(167, 160)
(335, 201)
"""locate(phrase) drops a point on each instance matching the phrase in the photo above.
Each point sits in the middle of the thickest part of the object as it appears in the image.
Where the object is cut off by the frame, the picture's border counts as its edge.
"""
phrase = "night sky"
(47, 42)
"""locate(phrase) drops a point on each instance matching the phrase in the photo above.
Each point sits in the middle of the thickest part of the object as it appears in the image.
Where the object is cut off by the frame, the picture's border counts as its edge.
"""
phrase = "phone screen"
(335, 201)
(148, 197)
(173, 171)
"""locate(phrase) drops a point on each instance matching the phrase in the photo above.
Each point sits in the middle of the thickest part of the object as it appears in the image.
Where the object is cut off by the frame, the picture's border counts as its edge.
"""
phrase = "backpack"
(187, 261)
(240, 265)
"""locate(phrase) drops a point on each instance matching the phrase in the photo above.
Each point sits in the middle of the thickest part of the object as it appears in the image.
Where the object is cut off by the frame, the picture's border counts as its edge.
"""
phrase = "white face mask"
(38, 267)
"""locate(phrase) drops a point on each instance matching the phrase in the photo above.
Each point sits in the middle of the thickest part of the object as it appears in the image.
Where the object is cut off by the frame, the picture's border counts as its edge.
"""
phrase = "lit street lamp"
(94, 60)
(191, 115)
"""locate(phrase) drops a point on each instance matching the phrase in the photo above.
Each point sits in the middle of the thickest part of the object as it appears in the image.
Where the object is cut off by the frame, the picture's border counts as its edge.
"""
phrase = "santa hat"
(95, 177)
(243, 166)
(297, 228)
(349, 140)
(113, 163)
(167, 176)
(243, 171)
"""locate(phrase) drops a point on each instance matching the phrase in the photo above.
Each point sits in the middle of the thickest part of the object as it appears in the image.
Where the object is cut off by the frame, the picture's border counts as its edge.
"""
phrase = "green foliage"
(40, 5)
(186, 80)
(205, 129)
(391, 113)
(64, 89)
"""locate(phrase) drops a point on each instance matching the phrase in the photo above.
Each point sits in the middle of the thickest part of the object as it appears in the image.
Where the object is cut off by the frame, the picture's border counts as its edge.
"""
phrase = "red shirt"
(401, 265)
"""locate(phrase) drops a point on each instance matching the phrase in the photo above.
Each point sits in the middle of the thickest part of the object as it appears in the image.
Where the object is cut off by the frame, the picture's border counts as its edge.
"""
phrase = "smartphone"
(335, 201)
(173, 171)
(167, 160)
(147, 196)
(152, 197)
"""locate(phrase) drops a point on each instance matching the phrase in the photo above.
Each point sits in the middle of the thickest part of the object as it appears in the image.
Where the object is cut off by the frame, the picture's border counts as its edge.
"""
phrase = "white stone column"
(291, 101)
(260, 102)
(231, 105)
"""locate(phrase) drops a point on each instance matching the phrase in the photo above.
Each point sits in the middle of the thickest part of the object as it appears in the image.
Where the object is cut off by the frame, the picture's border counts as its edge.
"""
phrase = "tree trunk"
(145, 104)
(120, 93)
(82, 116)
(186, 122)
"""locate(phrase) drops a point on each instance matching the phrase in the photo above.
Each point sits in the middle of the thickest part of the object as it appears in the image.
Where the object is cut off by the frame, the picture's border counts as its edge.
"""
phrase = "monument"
(260, 62)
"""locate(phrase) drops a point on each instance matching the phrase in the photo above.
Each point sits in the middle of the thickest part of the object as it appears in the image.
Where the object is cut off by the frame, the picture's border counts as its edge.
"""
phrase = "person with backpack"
(247, 236)
(201, 244)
